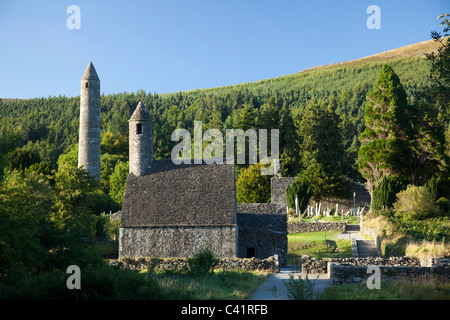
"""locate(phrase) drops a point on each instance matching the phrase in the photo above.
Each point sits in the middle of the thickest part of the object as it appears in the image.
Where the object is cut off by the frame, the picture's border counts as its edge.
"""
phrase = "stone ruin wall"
(262, 227)
(345, 274)
(302, 227)
(166, 242)
(270, 264)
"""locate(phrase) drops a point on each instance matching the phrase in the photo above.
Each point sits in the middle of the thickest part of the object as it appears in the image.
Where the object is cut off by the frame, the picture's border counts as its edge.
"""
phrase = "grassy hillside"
(408, 61)
(410, 51)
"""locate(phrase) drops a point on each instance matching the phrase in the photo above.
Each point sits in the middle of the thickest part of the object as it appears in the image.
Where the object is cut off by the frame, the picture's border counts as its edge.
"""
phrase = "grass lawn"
(221, 285)
(318, 245)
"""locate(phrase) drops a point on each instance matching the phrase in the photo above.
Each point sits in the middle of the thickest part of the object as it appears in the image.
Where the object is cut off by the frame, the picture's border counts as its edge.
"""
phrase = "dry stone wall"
(344, 274)
(271, 264)
(314, 265)
(301, 227)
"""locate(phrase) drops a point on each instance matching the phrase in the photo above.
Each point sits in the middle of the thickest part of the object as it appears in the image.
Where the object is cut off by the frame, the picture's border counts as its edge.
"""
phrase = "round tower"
(140, 141)
(89, 135)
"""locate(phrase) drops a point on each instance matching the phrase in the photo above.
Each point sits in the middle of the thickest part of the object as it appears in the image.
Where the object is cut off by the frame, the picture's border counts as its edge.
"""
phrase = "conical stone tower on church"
(140, 141)
(89, 134)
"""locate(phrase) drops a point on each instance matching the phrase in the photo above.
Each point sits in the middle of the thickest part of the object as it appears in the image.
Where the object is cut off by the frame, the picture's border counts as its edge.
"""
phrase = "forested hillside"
(49, 126)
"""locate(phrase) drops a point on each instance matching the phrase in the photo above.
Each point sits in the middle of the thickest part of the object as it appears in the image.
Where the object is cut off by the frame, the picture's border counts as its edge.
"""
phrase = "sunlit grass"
(423, 288)
(220, 285)
(318, 245)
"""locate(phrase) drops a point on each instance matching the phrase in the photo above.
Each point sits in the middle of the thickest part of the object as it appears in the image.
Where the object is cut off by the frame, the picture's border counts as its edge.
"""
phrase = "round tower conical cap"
(90, 73)
(140, 113)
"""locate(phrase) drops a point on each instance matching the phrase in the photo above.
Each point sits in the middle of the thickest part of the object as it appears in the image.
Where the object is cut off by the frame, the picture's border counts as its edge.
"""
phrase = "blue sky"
(179, 45)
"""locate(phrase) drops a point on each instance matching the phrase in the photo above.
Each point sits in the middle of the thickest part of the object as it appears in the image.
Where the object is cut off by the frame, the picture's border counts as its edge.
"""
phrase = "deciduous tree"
(251, 186)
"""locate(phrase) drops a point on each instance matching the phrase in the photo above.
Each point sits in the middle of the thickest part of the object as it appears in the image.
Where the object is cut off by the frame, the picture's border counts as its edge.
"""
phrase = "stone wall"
(278, 187)
(300, 227)
(262, 231)
(271, 264)
(167, 242)
(344, 274)
(314, 265)
(371, 233)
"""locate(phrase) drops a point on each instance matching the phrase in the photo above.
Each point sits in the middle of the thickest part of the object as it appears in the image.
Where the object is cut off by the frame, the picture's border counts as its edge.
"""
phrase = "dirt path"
(274, 287)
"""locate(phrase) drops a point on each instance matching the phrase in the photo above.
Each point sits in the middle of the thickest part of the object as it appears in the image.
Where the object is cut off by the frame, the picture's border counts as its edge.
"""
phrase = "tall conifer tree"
(384, 143)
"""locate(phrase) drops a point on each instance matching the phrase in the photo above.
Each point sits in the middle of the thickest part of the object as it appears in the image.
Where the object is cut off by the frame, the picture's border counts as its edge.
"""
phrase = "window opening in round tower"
(139, 128)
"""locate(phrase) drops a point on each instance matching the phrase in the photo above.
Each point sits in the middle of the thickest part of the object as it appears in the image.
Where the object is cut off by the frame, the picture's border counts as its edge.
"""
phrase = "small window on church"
(250, 252)
(87, 85)
(139, 128)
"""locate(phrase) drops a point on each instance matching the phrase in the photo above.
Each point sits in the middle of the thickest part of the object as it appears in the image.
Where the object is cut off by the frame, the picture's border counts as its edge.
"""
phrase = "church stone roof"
(181, 195)
(90, 73)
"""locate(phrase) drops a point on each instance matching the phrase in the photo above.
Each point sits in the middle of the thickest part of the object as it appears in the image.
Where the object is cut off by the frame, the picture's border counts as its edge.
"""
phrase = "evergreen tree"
(440, 71)
(322, 184)
(320, 138)
(384, 195)
(20, 159)
(426, 144)
(269, 115)
(9, 140)
(383, 143)
(289, 149)
(247, 117)
(438, 186)
(322, 152)
(301, 190)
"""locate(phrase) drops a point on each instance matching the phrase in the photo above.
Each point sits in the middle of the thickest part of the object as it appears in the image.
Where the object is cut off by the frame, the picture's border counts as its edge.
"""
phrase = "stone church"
(169, 210)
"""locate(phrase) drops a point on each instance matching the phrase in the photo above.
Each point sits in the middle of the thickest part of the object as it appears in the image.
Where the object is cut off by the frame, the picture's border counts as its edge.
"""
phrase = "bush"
(300, 289)
(416, 203)
(202, 262)
(252, 186)
(97, 283)
(101, 202)
(100, 224)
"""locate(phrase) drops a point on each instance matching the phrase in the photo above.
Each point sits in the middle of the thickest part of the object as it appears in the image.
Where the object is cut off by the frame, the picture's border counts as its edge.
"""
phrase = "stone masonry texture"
(178, 208)
(263, 228)
(140, 143)
(168, 242)
(89, 131)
